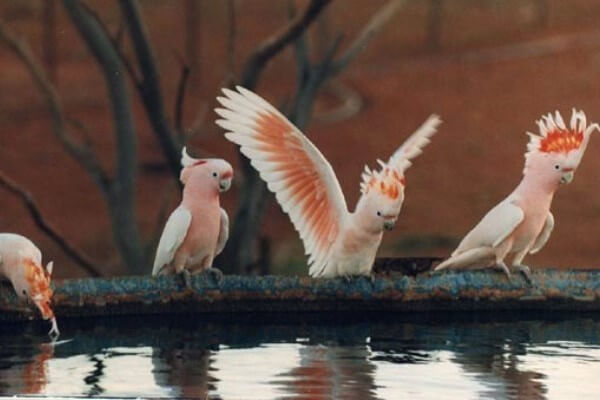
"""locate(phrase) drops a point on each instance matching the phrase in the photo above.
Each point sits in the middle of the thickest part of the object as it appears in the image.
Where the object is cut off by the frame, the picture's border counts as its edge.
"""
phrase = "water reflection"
(365, 360)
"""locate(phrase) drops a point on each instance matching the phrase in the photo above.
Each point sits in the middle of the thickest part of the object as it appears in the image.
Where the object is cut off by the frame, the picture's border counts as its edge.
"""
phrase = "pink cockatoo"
(338, 242)
(196, 232)
(522, 223)
(21, 264)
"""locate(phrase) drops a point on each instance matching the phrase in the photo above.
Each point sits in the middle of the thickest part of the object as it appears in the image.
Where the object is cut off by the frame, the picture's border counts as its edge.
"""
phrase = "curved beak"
(389, 224)
(224, 184)
(567, 178)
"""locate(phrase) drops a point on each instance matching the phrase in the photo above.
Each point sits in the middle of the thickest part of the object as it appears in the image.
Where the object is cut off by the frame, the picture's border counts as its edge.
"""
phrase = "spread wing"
(413, 146)
(544, 234)
(293, 168)
(495, 226)
(171, 238)
(223, 232)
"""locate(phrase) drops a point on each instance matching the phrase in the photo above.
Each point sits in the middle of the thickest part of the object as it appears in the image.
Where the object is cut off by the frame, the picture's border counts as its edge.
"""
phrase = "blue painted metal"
(452, 291)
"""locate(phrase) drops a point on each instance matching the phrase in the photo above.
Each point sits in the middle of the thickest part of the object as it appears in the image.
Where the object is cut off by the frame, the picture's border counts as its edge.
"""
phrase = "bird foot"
(186, 278)
(215, 274)
(525, 271)
(503, 268)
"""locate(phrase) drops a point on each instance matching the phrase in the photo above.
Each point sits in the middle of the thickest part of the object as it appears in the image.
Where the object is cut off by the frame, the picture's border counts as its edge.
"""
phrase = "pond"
(383, 357)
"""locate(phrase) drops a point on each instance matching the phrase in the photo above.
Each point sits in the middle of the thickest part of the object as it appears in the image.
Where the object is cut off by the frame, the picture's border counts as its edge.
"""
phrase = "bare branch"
(381, 17)
(80, 153)
(180, 97)
(273, 45)
(81, 259)
(149, 88)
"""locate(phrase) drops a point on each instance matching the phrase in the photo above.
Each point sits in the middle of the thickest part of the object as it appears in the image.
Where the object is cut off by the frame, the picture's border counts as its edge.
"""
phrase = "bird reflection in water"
(187, 369)
(25, 373)
(333, 372)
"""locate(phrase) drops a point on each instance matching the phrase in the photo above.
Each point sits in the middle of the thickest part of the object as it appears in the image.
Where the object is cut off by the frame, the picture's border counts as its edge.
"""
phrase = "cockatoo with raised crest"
(21, 264)
(196, 232)
(522, 223)
(338, 242)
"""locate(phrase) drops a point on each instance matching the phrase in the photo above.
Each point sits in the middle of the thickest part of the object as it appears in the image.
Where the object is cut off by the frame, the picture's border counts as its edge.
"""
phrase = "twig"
(381, 17)
(180, 97)
(80, 153)
(81, 259)
(273, 45)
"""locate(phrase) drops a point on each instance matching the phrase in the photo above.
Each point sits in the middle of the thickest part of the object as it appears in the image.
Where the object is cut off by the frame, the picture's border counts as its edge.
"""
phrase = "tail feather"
(480, 256)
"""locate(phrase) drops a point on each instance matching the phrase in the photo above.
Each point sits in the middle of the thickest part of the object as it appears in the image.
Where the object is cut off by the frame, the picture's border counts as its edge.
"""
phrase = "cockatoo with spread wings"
(338, 242)
(196, 232)
(521, 224)
(21, 264)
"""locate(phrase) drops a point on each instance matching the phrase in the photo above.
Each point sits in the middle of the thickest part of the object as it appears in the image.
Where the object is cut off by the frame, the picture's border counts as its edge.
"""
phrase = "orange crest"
(387, 182)
(561, 141)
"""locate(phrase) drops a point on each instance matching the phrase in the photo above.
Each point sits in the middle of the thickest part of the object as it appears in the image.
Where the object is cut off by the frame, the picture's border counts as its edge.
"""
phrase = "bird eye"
(24, 292)
(215, 174)
(557, 167)
(379, 213)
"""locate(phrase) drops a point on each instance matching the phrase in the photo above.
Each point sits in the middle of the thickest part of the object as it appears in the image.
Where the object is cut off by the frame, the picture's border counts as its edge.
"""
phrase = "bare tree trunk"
(193, 38)
(120, 191)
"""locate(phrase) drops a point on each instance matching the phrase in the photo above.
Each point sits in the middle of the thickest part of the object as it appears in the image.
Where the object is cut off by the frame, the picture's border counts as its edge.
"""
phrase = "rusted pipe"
(574, 290)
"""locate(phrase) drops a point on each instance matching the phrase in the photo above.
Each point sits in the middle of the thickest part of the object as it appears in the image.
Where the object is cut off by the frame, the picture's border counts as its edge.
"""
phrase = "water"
(376, 359)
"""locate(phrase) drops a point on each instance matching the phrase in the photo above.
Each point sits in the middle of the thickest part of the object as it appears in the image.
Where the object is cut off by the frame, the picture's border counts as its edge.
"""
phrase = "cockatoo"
(21, 264)
(197, 230)
(522, 223)
(338, 242)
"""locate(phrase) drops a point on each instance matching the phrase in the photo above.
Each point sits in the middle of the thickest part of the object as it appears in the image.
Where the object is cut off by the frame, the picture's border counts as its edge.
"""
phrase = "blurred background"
(97, 98)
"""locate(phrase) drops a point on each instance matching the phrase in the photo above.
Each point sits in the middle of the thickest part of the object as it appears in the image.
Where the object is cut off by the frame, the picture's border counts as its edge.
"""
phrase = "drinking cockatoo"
(338, 242)
(197, 230)
(21, 264)
(521, 224)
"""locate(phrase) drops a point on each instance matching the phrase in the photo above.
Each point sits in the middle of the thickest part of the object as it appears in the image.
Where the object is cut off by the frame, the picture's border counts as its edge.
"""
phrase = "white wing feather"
(544, 234)
(495, 226)
(223, 232)
(293, 168)
(173, 235)
(413, 146)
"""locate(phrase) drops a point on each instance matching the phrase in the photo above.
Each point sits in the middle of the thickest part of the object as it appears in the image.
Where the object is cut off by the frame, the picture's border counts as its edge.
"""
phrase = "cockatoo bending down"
(521, 224)
(21, 264)
(340, 243)
(196, 232)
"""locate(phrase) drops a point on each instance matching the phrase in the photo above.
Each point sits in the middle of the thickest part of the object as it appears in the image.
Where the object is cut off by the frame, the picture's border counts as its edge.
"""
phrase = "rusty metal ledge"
(571, 290)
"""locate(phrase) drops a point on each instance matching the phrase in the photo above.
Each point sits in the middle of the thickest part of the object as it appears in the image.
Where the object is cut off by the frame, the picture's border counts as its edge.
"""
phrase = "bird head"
(211, 171)
(554, 155)
(36, 286)
(382, 196)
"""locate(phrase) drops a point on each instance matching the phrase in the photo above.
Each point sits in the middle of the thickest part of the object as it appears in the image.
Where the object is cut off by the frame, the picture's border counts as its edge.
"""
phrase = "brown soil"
(499, 68)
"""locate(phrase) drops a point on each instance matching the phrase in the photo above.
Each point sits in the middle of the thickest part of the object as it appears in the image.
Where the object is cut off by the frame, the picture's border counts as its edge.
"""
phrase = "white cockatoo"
(339, 242)
(21, 264)
(196, 232)
(522, 223)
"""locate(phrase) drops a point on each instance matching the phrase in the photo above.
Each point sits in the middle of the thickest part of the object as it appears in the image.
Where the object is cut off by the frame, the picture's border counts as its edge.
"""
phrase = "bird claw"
(503, 268)
(526, 272)
(187, 278)
(215, 273)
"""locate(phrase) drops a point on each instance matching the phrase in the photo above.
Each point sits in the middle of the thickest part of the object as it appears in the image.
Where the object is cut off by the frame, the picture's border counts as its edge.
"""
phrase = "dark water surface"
(378, 359)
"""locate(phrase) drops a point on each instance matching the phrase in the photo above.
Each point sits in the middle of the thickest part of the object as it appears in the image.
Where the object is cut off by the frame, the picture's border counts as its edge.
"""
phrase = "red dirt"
(497, 71)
